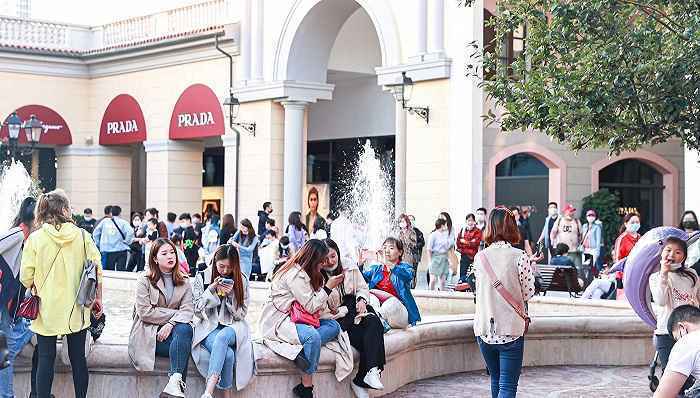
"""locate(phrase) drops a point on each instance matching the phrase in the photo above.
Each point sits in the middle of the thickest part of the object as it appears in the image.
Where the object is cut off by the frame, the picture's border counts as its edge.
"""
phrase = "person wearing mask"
(210, 235)
(228, 229)
(113, 237)
(263, 216)
(439, 244)
(269, 253)
(222, 347)
(525, 238)
(271, 225)
(162, 315)
(567, 229)
(629, 235)
(297, 231)
(390, 279)
(171, 223)
(481, 219)
(350, 301)
(407, 235)
(88, 222)
(689, 222)
(684, 362)
(198, 225)
(152, 213)
(418, 252)
(468, 242)
(15, 328)
(313, 217)
(672, 286)
(451, 255)
(189, 241)
(499, 324)
(136, 258)
(592, 238)
(552, 217)
(247, 242)
(53, 261)
(298, 287)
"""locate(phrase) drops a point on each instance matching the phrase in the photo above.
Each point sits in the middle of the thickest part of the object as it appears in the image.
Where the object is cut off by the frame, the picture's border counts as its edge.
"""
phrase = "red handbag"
(298, 314)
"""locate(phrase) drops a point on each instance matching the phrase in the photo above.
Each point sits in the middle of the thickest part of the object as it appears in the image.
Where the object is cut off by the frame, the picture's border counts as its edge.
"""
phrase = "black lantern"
(233, 105)
(14, 124)
(402, 94)
(33, 128)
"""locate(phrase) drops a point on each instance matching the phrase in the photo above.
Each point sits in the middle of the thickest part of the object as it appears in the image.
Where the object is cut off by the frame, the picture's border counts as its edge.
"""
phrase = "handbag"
(29, 307)
(498, 285)
(87, 290)
(298, 314)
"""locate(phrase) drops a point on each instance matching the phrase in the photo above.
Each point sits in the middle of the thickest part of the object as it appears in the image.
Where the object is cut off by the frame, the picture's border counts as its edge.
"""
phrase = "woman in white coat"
(221, 346)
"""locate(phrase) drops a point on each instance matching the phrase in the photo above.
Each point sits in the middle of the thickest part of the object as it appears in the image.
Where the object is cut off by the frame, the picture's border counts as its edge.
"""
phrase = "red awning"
(197, 114)
(123, 122)
(56, 130)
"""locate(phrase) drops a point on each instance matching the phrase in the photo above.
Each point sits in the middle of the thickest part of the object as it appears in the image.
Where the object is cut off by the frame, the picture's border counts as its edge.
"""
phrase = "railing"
(56, 36)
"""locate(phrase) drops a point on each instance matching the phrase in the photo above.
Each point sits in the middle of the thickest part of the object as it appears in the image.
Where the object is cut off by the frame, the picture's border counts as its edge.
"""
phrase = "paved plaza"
(540, 382)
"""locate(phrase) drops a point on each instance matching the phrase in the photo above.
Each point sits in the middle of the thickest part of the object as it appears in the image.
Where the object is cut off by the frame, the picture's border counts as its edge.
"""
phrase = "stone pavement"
(540, 382)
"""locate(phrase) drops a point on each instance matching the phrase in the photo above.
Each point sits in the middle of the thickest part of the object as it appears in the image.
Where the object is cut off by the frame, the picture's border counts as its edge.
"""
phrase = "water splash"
(367, 207)
(15, 185)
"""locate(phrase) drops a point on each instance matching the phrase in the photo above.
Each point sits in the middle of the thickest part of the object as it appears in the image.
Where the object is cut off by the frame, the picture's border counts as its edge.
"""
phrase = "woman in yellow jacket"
(52, 265)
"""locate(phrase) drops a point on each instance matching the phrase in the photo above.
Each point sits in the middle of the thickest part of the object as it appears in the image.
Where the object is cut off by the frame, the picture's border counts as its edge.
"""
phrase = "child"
(269, 251)
(182, 260)
(561, 257)
(674, 285)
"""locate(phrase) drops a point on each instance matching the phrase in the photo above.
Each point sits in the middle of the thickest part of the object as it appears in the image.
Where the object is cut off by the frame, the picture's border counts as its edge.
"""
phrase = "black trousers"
(136, 262)
(368, 338)
(47, 360)
(116, 261)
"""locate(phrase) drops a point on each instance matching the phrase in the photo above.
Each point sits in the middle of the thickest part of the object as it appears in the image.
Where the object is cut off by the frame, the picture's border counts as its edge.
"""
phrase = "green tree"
(596, 73)
(605, 204)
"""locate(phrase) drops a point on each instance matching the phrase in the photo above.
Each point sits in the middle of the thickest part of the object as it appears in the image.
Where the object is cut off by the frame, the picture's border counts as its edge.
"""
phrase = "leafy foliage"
(596, 73)
(605, 204)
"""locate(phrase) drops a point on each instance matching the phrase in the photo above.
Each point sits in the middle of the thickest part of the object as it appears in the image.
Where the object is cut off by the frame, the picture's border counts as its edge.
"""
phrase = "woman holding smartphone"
(221, 346)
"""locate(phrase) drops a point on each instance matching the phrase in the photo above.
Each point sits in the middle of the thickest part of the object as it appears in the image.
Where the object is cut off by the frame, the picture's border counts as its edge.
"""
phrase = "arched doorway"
(640, 188)
(523, 180)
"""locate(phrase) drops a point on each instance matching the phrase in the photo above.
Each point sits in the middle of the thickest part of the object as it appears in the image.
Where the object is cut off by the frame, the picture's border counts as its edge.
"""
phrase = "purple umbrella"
(640, 264)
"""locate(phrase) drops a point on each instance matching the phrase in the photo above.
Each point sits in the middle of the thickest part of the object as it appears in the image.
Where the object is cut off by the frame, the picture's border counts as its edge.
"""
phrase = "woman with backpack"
(53, 261)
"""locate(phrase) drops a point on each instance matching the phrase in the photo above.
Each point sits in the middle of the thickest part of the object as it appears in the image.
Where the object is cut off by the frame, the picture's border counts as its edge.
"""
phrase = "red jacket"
(468, 241)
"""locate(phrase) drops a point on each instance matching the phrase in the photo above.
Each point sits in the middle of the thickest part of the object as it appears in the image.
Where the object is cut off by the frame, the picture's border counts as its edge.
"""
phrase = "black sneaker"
(303, 392)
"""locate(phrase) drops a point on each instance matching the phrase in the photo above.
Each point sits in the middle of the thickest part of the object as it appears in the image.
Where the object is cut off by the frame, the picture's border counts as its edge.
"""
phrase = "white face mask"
(590, 219)
(87, 218)
(633, 227)
(480, 218)
(553, 212)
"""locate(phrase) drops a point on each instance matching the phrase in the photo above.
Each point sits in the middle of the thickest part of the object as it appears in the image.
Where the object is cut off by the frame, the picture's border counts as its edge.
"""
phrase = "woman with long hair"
(407, 235)
(297, 231)
(228, 228)
(499, 325)
(52, 265)
(246, 241)
(162, 316)
(299, 295)
(222, 347)
(439, 244)
(314, 220)
(629, 236)
(689, 222)
(350, 301)
(137, 260)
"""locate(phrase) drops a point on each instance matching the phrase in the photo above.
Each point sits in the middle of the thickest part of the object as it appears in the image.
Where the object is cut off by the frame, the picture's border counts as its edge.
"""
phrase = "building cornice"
(172, 146)
(289, 90)
(428, 69)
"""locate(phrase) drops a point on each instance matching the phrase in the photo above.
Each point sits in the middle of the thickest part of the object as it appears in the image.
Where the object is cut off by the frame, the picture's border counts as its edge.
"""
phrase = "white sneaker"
(175, 387)
(360, 392)
(372, 379)
(207, 395)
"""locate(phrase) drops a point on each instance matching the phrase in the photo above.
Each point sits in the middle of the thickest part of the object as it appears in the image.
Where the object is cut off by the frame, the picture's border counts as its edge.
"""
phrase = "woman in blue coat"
(392, 278)
(246, 242)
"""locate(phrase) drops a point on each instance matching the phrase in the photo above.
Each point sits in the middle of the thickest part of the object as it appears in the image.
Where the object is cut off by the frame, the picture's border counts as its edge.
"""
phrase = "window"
(521, 165)
(513, 46)
(213, 167)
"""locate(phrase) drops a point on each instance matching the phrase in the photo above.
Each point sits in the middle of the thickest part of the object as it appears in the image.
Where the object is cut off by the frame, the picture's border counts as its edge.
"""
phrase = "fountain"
(15, 185)
(366, 208)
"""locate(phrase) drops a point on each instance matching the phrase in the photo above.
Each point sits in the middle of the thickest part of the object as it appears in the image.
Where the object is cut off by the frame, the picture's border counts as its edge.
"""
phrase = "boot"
(303, 392)
(175, 387)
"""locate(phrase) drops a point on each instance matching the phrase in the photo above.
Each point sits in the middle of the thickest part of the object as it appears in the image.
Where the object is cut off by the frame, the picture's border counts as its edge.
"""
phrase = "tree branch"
(654, 13)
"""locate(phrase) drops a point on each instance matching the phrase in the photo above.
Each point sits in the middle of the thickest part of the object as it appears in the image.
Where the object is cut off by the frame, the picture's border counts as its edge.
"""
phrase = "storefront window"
(639, 187)
(213, 167)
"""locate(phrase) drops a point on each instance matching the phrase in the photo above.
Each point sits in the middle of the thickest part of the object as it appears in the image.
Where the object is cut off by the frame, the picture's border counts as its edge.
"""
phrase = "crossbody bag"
(498, 285)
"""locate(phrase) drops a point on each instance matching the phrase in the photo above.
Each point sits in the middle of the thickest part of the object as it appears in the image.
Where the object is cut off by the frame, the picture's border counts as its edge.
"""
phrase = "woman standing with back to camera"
(52, 264)
(500, 319)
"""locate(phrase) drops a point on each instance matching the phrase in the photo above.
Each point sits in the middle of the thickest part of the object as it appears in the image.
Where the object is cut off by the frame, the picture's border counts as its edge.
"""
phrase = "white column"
(230, 154)
(436, 26)
(293, 155)
(421, 26)
(692, 175)
(400, 161)
(245, 47)
(256, 40)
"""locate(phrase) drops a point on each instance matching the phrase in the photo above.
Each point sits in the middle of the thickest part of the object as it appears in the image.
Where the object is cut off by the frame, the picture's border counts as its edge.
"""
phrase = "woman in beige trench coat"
(222, 347)
(162, 317)
(300, 280)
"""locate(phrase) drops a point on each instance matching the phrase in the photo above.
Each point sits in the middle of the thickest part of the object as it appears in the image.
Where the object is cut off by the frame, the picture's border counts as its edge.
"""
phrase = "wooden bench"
(559, 279)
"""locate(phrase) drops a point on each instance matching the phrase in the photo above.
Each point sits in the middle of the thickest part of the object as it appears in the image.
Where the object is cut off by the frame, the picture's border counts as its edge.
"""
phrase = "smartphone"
(226, 281)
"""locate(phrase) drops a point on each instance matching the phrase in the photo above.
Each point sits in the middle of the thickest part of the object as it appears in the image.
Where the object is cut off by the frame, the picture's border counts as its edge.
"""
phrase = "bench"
(559, 279)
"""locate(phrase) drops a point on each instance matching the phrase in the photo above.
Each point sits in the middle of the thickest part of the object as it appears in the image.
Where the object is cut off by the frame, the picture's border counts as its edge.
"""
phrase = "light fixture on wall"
(233, 106)
(402, 93)
(33, 128)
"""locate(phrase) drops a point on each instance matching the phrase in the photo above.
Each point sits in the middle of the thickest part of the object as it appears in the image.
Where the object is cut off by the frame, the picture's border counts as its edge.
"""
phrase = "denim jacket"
(595, 238)
(401, 278)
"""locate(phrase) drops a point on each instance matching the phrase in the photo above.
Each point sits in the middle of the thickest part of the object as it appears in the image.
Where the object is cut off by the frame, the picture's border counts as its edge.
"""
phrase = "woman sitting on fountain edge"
(390, 282)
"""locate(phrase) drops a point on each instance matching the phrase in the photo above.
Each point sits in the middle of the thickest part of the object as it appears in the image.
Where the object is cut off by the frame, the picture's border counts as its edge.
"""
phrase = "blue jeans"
(504, 362)
(177, 347)
(312, 339)
(17, 335)
(221, 344)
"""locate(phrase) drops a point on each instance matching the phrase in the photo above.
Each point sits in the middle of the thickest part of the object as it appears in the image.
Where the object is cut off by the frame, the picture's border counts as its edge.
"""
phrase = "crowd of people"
(192, 290)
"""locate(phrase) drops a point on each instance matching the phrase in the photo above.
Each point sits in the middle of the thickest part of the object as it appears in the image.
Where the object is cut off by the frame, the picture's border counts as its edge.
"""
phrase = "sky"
(98, 12)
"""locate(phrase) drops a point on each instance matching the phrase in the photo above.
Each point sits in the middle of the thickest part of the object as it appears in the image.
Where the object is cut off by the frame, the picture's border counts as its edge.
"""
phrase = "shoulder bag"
(29, 307)
(87, 290)
(498, 285)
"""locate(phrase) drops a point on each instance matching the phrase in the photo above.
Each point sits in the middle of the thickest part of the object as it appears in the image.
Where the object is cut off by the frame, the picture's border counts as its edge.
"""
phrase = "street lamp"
(402, 94)
(33, 128)
(233, 106)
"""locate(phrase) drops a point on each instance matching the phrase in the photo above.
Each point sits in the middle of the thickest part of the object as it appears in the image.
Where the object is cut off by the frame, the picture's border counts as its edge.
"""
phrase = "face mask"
(402, 225)
(137, 223)
(480, 218)
(590, 219)
(552, 212)
(690, 225)
(633, 227)
(183, 225)
(87, 218)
